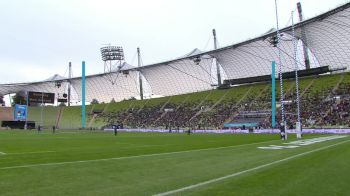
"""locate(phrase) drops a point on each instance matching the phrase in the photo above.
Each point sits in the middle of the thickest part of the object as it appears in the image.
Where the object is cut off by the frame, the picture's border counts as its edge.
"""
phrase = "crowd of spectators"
(327, 107)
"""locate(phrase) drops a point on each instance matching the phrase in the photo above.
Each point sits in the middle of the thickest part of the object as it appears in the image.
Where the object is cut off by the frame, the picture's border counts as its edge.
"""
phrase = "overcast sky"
(39, 37)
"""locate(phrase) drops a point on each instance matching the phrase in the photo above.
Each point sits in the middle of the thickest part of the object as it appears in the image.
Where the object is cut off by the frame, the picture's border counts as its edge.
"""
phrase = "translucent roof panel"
(49, 87)
(328, 37)
(179, 77)
(101, 87)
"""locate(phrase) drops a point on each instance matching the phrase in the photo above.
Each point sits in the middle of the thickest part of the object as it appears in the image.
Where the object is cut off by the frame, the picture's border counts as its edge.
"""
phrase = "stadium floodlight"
(111, 53)
(58, 84)
(274, 40)
(197, 60)
(113, 58)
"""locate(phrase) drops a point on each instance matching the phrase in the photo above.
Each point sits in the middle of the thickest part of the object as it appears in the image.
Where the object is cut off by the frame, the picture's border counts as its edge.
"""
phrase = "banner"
(257, 131)
(20, 113)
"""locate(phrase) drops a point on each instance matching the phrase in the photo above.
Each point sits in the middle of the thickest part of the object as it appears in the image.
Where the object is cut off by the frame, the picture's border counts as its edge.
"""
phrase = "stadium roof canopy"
(326, 38)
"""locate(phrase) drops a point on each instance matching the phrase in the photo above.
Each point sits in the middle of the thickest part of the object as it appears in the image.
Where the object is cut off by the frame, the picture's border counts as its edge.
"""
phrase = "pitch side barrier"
(286, 75)
(257, 131)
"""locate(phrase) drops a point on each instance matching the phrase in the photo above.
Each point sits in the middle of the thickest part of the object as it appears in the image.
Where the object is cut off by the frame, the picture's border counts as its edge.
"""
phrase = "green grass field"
(99, 163)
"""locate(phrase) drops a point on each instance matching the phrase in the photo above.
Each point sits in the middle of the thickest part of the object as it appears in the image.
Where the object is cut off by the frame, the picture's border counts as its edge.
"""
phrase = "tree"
(2, 102)
(18, 99)
(94, 101)
(112, 101)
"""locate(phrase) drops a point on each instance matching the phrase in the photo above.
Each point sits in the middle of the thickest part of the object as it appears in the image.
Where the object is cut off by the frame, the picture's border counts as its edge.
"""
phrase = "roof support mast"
(216, 63)
(303, 37)
(140, 77)
(69, 82)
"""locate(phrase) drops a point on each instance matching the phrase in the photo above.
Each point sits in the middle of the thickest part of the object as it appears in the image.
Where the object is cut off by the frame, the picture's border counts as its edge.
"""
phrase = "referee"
(115, 128)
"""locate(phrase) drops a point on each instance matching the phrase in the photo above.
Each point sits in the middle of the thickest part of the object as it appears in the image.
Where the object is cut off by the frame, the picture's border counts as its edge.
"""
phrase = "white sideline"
(2, 153)
(246, 171)
(128, 157)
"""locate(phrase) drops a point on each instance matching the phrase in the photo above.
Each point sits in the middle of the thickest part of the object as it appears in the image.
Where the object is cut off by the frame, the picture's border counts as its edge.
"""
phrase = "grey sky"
(39, 37)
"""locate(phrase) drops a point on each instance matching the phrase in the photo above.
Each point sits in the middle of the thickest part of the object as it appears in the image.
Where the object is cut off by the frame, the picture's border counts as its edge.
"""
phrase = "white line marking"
(299, 143)
(37, 152)
(274, 147)
(2, 153)
(246, 171)
(128, 157)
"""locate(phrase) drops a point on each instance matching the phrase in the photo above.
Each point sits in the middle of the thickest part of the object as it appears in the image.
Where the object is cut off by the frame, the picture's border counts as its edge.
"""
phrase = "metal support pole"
(83, 118)
(27, 104)
(280, 66)
(42, 107)
(69, 82)
(215, 60)
(303, 37)
(140, 76)
(273, 95)
(296, 68)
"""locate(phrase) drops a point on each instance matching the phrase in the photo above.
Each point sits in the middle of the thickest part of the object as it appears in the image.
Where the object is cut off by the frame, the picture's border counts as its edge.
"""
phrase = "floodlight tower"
(69, 82)
(216, 63)
(140, 76)
(113, 58)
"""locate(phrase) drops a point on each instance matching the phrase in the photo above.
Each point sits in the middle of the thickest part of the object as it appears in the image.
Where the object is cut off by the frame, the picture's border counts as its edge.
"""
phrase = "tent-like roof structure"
(55, 77)
(194, 52)
(326, 38)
